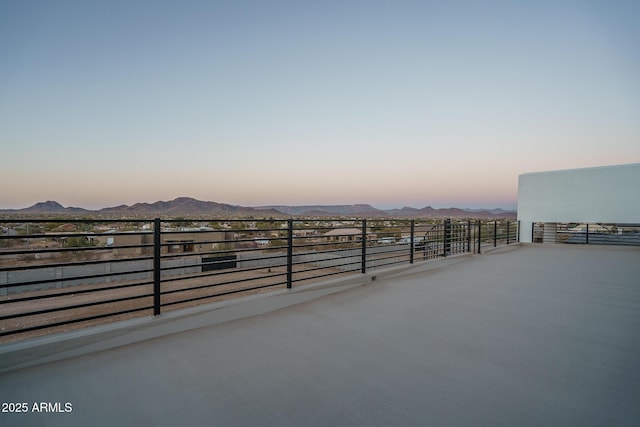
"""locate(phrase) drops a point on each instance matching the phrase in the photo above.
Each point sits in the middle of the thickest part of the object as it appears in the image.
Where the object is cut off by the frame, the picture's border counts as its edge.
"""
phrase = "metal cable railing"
(61, 274)
(586, 233)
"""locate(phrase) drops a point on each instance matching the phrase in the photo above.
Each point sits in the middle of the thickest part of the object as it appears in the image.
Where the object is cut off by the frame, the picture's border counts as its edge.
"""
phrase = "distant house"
(189, 240)
(387, 240)
(347, 235)
(407, 239)
(262, 242)
(593, 228)
(65, 228)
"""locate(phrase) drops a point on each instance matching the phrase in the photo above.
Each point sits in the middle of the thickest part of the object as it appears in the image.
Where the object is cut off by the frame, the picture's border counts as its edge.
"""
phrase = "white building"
(608, 194)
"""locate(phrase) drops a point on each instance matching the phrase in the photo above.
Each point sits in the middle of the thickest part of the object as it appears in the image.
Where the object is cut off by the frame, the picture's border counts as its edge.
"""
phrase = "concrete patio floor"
(541, 335)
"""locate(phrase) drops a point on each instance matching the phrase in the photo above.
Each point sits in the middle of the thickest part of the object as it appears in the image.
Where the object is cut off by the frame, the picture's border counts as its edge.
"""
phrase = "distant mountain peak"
(48, 206)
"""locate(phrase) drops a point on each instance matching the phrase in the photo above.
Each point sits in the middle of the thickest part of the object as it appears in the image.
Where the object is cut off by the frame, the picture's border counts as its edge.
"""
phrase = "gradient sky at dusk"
(393, 103)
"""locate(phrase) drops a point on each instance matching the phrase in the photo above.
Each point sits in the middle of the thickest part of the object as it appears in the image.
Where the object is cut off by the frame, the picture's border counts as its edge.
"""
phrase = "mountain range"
(186, 206)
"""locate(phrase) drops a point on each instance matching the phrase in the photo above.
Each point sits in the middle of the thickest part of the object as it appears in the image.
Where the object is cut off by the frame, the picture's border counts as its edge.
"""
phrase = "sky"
(392, 103)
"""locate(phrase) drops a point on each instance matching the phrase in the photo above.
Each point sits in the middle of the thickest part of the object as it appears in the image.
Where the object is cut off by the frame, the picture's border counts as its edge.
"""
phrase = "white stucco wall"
(609, 194)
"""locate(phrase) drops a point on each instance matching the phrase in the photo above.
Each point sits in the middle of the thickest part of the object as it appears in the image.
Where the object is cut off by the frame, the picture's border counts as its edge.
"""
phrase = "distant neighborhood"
(136, 238)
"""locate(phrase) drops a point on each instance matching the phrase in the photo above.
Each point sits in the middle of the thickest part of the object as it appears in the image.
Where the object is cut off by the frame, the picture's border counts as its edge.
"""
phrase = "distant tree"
(181, 223)
(238, 225)
(28, 229)
(50, 226)
(77, 242)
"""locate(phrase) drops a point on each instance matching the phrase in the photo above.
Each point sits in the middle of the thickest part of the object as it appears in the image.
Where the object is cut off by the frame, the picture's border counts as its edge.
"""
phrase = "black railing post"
(290, 254)
(533, 227)
(156, 266)
(508, 232)
(519, 233)
(479, 234)
(447, 237)
(495, 233)
(424, 245)
(469, 235)
(413, 233)
(363, 262)
(587, 240)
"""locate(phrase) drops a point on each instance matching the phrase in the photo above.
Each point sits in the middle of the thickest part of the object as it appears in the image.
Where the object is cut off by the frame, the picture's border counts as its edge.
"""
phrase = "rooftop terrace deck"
(536, 335)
